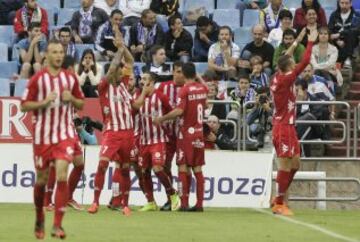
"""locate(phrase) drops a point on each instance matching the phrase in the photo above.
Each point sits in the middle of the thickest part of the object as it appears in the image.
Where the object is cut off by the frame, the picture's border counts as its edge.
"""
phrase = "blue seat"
(75, 4)
(191, 30)
(81, 47)
(51, 16)
(229, 17)
(193, 4)
(329, 3)
(3, 52)
(8, 69)
(242, 35)
(65, 15)
(201, 67)
(328, 13)
(49, 4)
(4, 87)
(20, 86)
(7, 34)
(292, 4)
(162, 21)
(250, 17)
(226, 4)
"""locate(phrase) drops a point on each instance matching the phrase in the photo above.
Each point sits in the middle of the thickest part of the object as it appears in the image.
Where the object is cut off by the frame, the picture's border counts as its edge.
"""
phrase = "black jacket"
(168, 8)
(336, 24)
(159, 37)
(160, 77)
(99, 17)
(174, 46)
(224, 142)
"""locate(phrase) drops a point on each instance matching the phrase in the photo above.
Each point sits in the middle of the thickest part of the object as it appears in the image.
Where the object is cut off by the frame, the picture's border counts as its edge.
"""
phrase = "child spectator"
(258, 77)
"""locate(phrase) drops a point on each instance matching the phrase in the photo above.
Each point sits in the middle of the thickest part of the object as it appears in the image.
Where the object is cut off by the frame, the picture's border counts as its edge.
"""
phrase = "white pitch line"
(310, 226)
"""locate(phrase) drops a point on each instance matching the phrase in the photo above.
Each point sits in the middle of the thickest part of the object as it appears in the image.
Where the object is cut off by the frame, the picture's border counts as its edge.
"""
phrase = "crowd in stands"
(159, 32)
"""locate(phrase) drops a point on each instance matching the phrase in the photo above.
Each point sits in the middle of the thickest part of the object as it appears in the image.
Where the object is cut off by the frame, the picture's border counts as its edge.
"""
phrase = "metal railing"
(238, 109)
(345, 125)
(356, 128)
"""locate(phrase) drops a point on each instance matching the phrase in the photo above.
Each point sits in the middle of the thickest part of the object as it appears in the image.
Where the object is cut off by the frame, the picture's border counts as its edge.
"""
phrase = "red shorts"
(285, 141)
(190, 151)
(78, 151)
(117, 145)
(44, 154)
(152, 155)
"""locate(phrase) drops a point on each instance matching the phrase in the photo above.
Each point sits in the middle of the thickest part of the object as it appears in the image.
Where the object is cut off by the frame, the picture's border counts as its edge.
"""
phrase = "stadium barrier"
(232, 179)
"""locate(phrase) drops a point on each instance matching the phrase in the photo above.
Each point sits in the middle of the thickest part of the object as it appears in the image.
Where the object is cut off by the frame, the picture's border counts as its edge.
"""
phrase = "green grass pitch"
(17, 220)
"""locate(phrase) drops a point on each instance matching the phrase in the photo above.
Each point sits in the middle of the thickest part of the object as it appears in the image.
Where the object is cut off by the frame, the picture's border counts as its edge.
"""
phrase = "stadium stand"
(65, 16)
(242, 35)
(7, 34)
(228, 4)
(250, 18)
(72, 4)
(20, 86)
(3, 52)
(4, 87)
(50, 4)
(81, 47)
(8, 69)
(229, 17)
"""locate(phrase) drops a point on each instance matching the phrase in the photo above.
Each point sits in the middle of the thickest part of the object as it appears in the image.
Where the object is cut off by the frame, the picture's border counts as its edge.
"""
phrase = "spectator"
(243, 93)
(269, 16)
(31, 12)
(259, 79)
(107, 5)
(8, 10)
(85, 129)
(276, 35)
(145, 34)
(259, 47)
(300, 21)
(250, 4)
(133, 10)
(215, 135)
(89, 73)
(219, 110)
(32, 50)
(157, 65)
(86, 21)
(69, 64)
(167, 8)
(65, 39)
(324, 56)
(343, 25)
(104, 43)
(311, 23)
(289, 37)
(179, 41)
(223, 56)
(206, 34)
(258, 118)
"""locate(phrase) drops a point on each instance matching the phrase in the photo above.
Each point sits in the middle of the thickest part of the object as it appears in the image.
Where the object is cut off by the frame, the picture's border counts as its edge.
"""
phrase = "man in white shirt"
(223, 56)
(132, 10)
(107, 5)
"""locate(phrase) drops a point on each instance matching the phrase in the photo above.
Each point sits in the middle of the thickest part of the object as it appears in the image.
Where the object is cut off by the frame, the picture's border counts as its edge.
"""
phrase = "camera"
(263, 99)
(262, 92)
(88, 124)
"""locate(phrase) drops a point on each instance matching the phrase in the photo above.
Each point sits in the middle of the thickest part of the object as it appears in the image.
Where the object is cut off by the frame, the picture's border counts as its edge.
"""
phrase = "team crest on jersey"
(180, 155)
(157, 155)
(284, 148)
(69, 150)
(140, 160)
(38, 161)
(198, 144)
(291, 106)
(191, 130)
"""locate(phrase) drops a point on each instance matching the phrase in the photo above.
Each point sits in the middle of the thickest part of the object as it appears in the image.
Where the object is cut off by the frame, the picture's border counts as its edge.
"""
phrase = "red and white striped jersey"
(115, 102)
(172, 91)
(156, 105)
(54, 123)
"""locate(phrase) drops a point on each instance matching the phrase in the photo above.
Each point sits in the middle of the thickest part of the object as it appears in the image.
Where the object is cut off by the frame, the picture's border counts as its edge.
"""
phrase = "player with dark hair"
(284, 134)
(116, 105)
(190, 156)
(52, 94)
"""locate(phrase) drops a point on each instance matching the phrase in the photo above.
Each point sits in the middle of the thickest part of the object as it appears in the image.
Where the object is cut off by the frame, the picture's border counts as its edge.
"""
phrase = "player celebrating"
(172, 90)
(116, 104)
(51, 94)
(152, 144)
(284, 134)
(191, 106)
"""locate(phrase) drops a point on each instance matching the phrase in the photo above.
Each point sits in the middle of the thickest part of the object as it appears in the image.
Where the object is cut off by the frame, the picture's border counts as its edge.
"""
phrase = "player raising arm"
(283, 133)
(190, 108)
(52, 94)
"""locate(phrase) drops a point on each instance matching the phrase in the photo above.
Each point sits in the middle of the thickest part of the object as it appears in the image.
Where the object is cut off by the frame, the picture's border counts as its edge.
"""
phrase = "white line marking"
(310, 226)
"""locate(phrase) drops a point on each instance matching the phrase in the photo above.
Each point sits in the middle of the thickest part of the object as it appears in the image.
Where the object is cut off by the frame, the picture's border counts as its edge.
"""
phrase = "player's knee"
(183, 168)
(197, 169)
(61, 175)
(42, 177)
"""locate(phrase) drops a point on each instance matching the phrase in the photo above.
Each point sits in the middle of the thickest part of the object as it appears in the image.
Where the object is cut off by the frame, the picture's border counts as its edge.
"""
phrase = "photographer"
(259, 116)
(216, 137)
(85, 129)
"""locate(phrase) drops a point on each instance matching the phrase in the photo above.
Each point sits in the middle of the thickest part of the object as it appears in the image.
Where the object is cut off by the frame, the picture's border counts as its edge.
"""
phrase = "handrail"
(356, 128)
(229, 121)
(238, 106)
(315, 122)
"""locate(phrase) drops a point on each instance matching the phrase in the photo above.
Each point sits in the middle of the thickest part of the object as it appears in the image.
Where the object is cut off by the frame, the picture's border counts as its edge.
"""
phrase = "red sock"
(189, 181)
(165, 181)
(148, 186)
(74, 179)
(100, 179)
(39, 194)
(50, 186)
(200, 183)
(140, 179)
(183, 189)
(292, 175)
(125, 184)
(116, 198)
(60, 202)
(282, 181)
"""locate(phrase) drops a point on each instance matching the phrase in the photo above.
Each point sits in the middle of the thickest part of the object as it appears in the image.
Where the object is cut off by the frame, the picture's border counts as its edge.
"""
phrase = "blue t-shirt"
(24, 44)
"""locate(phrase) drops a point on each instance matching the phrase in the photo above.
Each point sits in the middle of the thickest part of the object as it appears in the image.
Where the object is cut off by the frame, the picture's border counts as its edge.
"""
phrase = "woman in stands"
(299, 19)
(89, 73)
